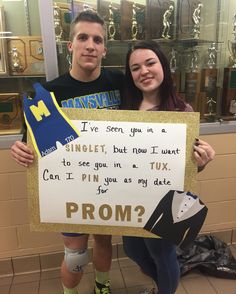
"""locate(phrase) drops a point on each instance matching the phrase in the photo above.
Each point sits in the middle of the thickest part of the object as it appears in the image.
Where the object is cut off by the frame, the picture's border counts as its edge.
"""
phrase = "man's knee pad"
(75, 259)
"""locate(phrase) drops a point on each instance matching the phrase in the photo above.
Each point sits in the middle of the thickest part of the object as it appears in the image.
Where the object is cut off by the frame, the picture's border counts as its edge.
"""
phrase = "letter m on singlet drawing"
(40, 110)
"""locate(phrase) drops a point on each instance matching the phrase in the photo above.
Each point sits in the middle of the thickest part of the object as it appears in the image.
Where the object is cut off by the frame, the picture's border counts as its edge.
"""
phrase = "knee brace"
(75, 259)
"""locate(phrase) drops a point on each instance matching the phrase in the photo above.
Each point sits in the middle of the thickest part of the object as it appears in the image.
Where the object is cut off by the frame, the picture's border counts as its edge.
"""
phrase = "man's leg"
(102, 254)
(75, 258)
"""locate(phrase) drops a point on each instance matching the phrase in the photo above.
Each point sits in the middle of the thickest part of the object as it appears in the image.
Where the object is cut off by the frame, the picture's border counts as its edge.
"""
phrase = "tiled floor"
(126, 279)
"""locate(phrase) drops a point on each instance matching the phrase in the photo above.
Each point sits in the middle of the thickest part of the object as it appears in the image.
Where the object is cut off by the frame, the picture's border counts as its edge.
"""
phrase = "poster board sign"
(111, 178)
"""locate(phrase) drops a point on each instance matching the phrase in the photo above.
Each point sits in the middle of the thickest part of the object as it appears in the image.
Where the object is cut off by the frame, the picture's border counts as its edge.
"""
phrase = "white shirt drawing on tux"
(184, 206)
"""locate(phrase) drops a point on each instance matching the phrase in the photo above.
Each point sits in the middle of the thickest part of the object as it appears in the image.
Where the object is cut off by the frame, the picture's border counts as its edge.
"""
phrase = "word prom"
(105, 212)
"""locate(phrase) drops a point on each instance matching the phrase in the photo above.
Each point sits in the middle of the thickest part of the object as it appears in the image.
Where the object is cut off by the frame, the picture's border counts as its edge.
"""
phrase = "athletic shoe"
(102, 288)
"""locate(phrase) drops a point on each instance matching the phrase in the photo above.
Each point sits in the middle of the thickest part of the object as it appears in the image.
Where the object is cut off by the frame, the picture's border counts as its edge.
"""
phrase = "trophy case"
(197, 36)
(192, 33)
(21, 60)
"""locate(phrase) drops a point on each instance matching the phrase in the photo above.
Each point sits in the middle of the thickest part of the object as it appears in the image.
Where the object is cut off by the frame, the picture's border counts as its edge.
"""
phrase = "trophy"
(26, 56)
(132, 20)
(229, 81)
(57, 23)
(232, 107)
(15, 60)
(110, 11)
(167, 22)
(193, 81)
(62, 17)
(173, 68)
(211, 108)
(194, 61)
(210, 115)
(209, 83)
(196, 18)
(173, 63)
(111, 24)
(232, 45)
(211, 63)
(209, 74)
(232, 50)
(155, 11)
(134, 28)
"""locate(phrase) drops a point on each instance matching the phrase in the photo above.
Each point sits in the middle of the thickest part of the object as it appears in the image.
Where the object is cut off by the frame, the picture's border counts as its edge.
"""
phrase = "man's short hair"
(89, 16)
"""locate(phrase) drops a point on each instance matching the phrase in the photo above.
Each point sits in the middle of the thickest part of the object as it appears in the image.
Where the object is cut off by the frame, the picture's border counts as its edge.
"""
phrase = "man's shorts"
(72, 234)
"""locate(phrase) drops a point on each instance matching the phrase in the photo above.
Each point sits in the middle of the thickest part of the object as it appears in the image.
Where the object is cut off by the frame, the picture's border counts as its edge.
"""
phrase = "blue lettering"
(93, 102)
(85, 101)
(106, 99)
(112, 97)
(99, 100)
(78, 103)
(117, 97)
(68, 103)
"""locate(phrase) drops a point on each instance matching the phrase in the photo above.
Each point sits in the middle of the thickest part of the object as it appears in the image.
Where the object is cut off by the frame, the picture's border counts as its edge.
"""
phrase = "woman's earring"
(69, 60)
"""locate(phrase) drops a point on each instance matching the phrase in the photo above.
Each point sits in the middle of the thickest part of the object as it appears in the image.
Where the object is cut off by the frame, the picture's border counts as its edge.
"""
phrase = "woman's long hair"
(133, 96)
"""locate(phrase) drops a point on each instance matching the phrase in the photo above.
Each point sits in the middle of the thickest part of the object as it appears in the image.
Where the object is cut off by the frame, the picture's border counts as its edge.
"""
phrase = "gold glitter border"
(191, 119)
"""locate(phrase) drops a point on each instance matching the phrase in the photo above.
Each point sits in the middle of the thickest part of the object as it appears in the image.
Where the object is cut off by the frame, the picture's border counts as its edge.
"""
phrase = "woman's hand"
(203, 153)
(22, 154)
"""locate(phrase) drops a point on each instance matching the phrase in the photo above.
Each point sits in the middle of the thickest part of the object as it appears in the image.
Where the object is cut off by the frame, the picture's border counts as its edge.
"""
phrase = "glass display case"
(21, 60)
(198, 37)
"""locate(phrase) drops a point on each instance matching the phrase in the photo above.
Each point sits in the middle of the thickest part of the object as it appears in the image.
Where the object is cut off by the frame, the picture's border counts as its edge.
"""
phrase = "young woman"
(150, 87)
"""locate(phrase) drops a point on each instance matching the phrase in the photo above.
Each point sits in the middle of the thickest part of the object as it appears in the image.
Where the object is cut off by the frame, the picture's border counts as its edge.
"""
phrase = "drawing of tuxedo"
(178, 218)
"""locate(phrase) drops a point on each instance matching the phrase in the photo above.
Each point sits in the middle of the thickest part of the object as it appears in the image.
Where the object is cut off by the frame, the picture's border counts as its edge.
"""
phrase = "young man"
(87, 85)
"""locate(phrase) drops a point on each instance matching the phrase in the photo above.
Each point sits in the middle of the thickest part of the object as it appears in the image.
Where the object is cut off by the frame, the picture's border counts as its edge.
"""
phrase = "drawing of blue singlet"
(46, 122)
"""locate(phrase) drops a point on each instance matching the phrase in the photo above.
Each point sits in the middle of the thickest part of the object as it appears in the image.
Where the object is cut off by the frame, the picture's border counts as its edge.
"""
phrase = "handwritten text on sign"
(114, 174)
